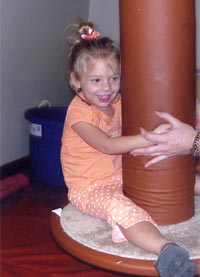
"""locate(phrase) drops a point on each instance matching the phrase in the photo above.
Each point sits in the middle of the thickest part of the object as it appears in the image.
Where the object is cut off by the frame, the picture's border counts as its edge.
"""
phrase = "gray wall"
(105, 13)
(33, 58)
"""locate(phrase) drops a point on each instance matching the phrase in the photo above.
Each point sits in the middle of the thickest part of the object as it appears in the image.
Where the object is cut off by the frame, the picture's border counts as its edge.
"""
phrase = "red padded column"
(158, 73)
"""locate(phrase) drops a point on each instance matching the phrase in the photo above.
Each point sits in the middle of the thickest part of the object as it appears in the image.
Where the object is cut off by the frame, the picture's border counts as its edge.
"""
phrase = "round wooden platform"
(100, 259)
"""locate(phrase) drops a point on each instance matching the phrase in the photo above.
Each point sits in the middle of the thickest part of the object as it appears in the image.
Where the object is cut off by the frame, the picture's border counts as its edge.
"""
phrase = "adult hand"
(176, 140)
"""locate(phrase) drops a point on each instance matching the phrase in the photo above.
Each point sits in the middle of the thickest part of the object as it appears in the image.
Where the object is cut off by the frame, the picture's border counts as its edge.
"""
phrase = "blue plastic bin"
(45, 133)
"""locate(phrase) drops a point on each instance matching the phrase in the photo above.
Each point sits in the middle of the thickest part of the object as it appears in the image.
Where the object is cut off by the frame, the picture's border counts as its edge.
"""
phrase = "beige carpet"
(96, 234)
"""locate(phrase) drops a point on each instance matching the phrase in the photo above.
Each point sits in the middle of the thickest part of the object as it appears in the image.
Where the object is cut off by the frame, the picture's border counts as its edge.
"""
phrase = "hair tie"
(88, 33)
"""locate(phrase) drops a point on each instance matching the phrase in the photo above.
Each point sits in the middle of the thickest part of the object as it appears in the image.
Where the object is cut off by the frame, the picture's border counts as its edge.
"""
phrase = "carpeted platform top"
(96, 234)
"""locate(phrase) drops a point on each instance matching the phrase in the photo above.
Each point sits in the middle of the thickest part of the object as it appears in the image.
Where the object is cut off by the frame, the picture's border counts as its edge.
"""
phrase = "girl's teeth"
(103, 96)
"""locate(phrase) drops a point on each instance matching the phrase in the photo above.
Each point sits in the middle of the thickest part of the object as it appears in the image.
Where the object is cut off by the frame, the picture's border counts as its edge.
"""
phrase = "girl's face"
(100, 82)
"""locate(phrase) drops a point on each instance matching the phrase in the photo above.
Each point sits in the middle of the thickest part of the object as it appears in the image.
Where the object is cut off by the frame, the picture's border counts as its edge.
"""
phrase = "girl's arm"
(110, 145)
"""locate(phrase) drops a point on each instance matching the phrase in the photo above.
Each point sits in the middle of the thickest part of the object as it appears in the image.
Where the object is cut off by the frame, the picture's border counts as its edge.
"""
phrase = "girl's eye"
(115, 78)
(96, 80)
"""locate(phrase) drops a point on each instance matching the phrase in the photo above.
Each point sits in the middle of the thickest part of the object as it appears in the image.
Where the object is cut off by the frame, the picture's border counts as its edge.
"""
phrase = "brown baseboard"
(14, 167)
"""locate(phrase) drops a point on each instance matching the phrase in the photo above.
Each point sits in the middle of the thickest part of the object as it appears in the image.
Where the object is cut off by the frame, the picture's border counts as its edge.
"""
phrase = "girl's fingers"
(153, 137)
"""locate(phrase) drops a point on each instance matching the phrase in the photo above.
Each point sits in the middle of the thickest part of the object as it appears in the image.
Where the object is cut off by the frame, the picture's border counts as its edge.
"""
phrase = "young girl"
(92, 146)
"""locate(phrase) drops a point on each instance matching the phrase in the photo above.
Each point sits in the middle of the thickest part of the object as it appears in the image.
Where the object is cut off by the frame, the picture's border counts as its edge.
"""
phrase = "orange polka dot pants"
(107, 201)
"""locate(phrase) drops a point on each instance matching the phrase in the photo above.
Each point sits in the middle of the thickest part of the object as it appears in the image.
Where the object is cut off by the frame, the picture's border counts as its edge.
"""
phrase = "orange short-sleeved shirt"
(83, 165)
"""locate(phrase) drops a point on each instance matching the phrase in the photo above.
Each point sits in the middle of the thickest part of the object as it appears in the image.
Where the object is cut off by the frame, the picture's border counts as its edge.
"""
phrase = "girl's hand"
(163, 128)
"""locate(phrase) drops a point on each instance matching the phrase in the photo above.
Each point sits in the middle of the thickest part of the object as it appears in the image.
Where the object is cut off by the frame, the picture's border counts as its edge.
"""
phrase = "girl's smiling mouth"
(104, 98)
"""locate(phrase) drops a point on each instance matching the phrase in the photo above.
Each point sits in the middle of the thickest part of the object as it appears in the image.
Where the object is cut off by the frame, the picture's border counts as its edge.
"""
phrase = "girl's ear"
(74, 81)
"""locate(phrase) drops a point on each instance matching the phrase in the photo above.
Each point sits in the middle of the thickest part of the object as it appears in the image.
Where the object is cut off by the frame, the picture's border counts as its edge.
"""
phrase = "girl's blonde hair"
(86, 42)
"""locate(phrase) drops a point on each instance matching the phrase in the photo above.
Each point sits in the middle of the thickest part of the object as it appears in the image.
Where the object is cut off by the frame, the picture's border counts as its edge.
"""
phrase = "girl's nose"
(106, 85)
